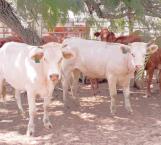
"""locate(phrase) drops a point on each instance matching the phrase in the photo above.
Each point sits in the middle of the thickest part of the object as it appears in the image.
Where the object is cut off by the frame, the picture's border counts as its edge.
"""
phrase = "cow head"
(52, 60)
(104, 34)
(139, 51)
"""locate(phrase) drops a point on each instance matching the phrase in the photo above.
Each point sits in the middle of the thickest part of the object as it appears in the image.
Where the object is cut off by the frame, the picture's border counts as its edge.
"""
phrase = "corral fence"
(82, 31)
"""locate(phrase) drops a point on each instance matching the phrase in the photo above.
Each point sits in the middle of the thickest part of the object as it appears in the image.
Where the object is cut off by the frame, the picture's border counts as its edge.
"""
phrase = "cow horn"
(65, 45)
(41, 47)
(152, 48)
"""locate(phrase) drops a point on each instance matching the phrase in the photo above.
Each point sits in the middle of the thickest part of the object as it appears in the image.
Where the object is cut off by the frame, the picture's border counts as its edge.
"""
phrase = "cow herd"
(38, 69)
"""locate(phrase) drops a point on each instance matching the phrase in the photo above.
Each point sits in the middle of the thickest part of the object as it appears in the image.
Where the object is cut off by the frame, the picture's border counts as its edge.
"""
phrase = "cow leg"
(46, 119)
(149, 80)
(126, 92)
(32, 112)
(113, 93)
(2, 89)
(19, 103)
(65, 85)
(83, 79)
(92, 86)
(96, 82)
(159, 79)
(47, 100)
(75, 84)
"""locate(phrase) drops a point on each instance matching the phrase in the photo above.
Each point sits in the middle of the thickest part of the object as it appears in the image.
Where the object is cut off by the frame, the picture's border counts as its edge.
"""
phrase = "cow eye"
(45, 59)
(132, 54)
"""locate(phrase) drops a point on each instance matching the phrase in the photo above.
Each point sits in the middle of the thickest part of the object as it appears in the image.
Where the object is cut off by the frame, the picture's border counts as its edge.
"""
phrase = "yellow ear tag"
(37, 57)
(37, 60)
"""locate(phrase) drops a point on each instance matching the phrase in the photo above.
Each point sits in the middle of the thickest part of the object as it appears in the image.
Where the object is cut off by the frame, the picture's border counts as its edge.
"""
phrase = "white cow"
(34, 70)
(98, 59)
(139, 51)
(114, 61)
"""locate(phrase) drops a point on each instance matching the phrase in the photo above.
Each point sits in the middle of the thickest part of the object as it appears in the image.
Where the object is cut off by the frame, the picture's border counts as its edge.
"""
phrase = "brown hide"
(153, 63)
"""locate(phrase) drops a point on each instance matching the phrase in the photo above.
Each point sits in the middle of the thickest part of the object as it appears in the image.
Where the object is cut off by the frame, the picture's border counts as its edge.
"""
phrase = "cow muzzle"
(54, 77)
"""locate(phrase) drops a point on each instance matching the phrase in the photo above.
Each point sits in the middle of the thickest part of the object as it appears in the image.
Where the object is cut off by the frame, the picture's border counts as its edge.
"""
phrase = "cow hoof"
(76, 103)
(147, 96)
(31, 130)
(22, 114)
(30, 133)
(137, 86)
(119, 91)
(113, 112)
(66, 106)
(129, 110)
(66, 109)
(48, 125)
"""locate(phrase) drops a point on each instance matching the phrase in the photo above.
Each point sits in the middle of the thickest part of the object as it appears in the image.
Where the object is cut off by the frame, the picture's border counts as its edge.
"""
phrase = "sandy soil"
(88, 124)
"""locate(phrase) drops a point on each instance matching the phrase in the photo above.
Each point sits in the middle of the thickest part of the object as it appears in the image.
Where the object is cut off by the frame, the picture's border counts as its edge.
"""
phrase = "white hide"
(98, 59)
(20, 70)
(139, 50)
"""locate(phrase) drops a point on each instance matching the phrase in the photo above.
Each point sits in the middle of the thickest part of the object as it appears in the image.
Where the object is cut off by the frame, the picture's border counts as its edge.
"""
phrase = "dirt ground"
(88, 124)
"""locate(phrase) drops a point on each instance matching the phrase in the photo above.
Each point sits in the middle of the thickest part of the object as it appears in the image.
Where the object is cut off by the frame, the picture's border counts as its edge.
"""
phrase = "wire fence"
(77, 31)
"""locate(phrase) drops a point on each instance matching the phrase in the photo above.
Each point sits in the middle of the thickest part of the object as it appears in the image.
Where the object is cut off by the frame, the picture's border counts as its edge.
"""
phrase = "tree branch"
(8, 17)
(151, 8)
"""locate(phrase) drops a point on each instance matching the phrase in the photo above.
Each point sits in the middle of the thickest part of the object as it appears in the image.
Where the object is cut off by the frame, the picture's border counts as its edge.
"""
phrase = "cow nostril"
(50, 76)
(54, 76)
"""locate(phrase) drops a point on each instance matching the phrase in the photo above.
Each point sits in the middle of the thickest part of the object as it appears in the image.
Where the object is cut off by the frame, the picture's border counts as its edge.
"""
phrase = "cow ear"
(97, 34)
(152, 48)
(67, 55)
(152, 41)
(125, 49)
(37, 57)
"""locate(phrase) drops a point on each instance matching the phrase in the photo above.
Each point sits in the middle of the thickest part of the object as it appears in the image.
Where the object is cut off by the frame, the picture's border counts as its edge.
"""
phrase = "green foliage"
(135, 5)
(118, 25)
(52, 11)
(111, 4)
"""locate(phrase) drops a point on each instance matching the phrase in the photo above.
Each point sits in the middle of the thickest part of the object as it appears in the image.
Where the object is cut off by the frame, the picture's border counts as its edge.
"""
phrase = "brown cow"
(9, 39)
(51, 37)
(48, 37)
(153, 63)
(128, 39)
(108, 36)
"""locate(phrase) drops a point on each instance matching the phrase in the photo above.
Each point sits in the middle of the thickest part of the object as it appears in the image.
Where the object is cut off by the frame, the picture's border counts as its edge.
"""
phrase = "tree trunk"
(9, 18)
(130, 21)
